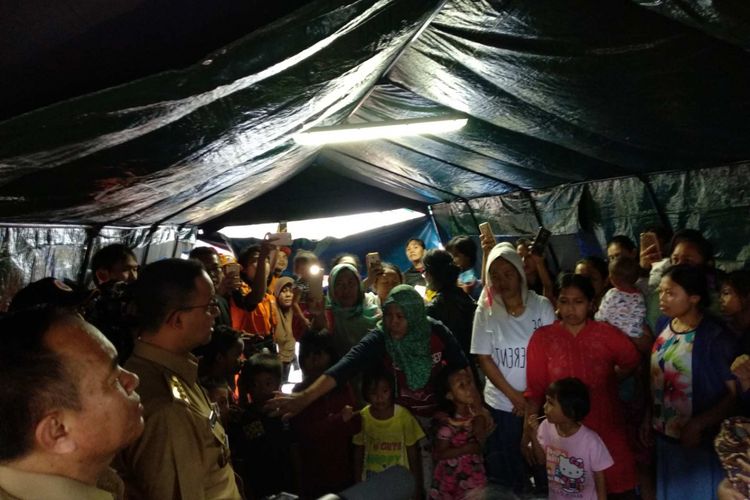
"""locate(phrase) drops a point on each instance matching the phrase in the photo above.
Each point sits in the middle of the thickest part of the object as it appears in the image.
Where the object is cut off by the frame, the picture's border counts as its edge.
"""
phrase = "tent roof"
(120, 118)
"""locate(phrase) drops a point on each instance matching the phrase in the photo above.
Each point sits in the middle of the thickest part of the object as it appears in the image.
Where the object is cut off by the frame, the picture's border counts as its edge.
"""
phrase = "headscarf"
(412, 352)
(350, 324)
(506, 251)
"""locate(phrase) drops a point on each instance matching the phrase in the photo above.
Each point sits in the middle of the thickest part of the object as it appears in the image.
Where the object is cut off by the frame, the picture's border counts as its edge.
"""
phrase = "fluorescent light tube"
(379, 130)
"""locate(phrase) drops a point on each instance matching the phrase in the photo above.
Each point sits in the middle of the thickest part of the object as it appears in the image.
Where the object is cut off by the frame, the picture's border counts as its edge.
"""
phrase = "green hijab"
(411, 353)
(350, 324)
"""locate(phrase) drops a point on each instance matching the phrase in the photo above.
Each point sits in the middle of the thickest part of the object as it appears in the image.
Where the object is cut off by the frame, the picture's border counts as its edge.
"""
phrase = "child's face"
(554, 412)
(461, 387)
(286, 295)
(282, 261)
(731, 302)
(314, 364)
(379, 396)
(263, 386)
(461, 260)
(386, 281)
(220, 396)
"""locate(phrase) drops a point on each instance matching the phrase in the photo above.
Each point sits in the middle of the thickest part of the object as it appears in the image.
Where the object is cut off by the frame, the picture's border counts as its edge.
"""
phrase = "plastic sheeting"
(185, 146)
(28, 254)
(556, 92)
(715, 201)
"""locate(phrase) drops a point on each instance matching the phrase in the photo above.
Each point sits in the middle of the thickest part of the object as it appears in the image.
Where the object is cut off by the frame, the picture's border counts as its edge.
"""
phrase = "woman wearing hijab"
(406, 342)
(350, 313)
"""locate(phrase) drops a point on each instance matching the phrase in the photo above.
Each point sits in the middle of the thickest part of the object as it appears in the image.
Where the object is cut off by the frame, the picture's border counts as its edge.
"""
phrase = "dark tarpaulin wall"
(715, 201)
(30, 253)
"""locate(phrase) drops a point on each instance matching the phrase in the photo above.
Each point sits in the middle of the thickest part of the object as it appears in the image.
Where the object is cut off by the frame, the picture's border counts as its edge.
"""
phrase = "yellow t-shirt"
(385, 441)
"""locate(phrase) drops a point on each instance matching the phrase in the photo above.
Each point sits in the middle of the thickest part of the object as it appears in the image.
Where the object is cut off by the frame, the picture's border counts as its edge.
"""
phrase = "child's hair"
(443, 387)
(740, 281)
(258, 363)
(346, 255)
(597, 263)
(623, 241)
(303, 257)
(317, 342)
(625, 269)
(692, 280)
(439, 263)
(387, 266)
(371, 378)
(583, 283)
(573, 396)
(212, 383)
(223, 338)
(465, 246)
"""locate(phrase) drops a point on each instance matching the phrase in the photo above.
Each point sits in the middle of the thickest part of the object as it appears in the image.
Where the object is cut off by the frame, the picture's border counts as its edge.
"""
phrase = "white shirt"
(505, 338)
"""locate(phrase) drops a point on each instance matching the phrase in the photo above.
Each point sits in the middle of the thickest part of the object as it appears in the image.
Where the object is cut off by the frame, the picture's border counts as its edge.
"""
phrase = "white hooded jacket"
(502, 336)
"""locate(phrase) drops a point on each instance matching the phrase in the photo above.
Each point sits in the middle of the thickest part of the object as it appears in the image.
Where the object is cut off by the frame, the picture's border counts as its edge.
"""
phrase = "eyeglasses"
(211, 308)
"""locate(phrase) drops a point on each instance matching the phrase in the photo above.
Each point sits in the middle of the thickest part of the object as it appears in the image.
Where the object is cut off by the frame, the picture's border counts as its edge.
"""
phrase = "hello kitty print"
(572, 461)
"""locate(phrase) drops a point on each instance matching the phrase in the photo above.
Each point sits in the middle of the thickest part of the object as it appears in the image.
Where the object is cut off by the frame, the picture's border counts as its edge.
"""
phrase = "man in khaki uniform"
(183, 452)
(66, 408)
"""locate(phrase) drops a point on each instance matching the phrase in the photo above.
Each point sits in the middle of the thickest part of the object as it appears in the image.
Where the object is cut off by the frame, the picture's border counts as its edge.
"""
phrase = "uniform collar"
(184, 366)
(26, 485)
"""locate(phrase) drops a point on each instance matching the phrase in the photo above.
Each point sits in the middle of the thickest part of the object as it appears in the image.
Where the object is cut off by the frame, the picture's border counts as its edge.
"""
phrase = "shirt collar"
(24, 484)
(184, 366)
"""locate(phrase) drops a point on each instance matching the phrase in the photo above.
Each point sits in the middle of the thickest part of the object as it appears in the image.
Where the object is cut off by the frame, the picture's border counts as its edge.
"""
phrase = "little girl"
(461, 432)
(575, 455)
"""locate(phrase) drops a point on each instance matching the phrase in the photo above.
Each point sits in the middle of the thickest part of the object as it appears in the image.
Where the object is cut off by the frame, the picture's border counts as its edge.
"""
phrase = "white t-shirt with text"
(505, 338)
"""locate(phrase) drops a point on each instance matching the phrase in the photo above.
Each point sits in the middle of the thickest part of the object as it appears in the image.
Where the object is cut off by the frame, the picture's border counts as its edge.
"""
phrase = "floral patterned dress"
(455, 477)
(672, 381)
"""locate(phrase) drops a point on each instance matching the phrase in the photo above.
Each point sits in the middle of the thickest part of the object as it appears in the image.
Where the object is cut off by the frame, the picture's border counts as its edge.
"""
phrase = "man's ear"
(52, 434)
(102, 275)
(449, 396)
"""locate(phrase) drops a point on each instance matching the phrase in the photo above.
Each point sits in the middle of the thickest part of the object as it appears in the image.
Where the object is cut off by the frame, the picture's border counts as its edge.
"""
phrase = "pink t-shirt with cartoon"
(572, 461)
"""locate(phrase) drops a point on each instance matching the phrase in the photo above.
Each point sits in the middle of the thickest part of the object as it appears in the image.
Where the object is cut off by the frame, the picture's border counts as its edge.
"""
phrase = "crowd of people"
(626, 378)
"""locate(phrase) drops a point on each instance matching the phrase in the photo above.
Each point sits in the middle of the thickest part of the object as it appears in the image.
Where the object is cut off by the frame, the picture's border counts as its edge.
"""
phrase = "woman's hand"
(285, 405)
(519, 402)
(649, 256)
(742, 372)
(646, 432)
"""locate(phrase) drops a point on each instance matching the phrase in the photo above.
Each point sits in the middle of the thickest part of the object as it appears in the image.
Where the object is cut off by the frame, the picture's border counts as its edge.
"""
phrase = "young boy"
(260, 443)
(389, 435)
(575, 455)
(303, 261)
(324, 430)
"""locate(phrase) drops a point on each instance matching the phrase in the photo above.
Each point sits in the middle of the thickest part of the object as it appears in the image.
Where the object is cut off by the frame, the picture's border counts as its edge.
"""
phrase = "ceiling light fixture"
(379, 130)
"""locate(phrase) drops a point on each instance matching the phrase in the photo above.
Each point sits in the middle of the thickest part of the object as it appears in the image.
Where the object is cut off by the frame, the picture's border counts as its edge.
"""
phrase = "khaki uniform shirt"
(183, 452)
(21, 485)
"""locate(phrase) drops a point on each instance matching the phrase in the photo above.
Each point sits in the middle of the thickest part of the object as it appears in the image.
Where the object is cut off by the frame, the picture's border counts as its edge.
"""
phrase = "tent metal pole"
(177, 239)
(655, 201)
(91, 233)
(149, 239)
